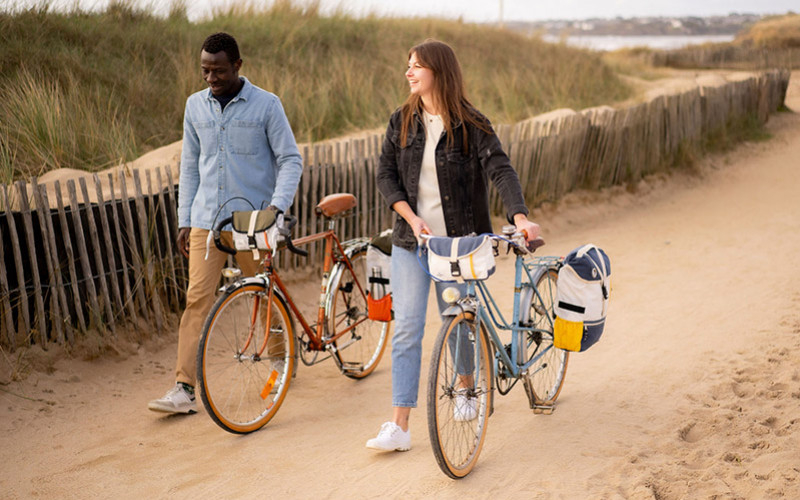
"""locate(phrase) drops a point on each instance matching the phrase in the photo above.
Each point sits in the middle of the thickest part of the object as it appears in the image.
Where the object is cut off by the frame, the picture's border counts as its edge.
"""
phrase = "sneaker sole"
(170, 409)
(378, 448)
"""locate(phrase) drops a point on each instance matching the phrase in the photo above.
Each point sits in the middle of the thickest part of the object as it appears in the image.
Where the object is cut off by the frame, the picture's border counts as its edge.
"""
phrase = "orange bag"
(379, 309)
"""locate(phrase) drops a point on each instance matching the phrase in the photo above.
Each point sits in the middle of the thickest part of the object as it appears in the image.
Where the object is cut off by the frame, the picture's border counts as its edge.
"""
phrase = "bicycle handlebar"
(285, 225)
(513, 239)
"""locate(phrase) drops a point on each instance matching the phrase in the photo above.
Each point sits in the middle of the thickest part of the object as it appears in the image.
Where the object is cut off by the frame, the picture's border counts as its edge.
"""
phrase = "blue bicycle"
(471, 360)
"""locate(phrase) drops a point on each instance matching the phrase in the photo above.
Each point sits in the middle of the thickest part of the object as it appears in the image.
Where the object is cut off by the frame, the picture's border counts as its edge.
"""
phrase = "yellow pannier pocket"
(567, 335)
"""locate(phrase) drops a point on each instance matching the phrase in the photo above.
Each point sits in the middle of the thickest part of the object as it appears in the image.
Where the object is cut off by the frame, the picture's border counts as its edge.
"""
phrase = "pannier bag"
(255, 230)
(459, 259)
(582, 291)
(379, 271)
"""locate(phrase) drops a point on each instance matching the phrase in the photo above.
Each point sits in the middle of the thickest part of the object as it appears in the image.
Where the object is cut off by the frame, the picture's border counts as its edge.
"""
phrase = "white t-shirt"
(429, 200)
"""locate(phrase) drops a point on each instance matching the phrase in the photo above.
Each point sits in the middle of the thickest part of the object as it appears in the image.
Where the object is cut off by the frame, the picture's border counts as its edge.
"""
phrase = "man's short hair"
(222, 41)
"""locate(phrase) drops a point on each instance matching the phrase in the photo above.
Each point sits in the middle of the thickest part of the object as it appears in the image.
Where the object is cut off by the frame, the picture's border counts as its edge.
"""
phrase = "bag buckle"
(455, 269)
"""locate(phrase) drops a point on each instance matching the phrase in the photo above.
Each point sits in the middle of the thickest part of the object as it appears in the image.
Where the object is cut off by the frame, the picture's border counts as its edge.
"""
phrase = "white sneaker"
(391, 438)
(176, 400)
(465, 409)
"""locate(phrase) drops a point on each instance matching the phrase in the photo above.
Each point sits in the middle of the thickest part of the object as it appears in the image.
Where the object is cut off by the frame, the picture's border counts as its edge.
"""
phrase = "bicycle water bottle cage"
(336, 205)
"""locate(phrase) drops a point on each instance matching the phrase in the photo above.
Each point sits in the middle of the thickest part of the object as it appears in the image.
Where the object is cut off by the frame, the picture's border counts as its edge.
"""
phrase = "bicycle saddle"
(335, 204)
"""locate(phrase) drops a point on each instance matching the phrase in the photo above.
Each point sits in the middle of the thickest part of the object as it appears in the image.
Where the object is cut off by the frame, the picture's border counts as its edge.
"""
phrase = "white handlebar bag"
(583, 286)
(255, 230)
(459, 259)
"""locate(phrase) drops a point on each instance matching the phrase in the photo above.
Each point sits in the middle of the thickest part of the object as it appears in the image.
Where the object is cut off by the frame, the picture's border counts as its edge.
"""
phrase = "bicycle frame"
(335, 253)
(488, 313)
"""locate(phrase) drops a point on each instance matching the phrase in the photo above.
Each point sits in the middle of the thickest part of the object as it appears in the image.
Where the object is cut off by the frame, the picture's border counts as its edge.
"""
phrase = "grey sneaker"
(391, 438)
(176, 400)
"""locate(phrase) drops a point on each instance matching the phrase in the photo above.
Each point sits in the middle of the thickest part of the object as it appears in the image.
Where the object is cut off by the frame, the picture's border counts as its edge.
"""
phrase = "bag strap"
(251, 235)
(455, 270)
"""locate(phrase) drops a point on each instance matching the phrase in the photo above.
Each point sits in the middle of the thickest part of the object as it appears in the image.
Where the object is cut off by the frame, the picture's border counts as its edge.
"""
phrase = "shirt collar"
(243, 94)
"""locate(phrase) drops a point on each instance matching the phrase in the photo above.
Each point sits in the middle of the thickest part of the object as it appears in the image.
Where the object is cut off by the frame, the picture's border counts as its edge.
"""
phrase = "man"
(237, 142)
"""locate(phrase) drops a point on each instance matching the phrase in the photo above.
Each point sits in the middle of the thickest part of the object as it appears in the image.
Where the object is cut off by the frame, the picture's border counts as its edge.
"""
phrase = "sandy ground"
(694, 391)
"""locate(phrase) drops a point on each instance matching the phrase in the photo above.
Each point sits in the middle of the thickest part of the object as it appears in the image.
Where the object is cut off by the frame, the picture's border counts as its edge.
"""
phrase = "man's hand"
(183, 241)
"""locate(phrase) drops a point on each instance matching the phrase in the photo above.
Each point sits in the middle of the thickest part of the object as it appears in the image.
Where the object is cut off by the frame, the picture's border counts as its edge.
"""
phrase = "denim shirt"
(248, 151)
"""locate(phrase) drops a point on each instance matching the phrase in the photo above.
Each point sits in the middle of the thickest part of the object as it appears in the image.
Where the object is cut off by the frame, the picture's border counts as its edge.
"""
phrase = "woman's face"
(420, 80)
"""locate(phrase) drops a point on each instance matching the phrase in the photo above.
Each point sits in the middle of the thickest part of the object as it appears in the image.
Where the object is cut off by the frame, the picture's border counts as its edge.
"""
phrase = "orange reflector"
(269, 385)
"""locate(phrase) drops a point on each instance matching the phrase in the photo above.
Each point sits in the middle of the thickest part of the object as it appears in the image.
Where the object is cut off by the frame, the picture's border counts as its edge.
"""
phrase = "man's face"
(220, 74)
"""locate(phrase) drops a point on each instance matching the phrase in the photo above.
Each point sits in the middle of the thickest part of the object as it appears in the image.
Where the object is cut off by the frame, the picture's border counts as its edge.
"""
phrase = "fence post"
(23, 306)
(98, 257)
(76, 297)
(94, 305)
(43, 213)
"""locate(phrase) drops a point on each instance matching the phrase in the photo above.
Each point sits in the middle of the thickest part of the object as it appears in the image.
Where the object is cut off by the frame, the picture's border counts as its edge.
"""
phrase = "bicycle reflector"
(451, 295)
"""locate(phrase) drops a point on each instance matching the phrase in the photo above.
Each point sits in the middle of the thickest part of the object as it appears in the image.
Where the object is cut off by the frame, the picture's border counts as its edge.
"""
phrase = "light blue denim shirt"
(248, 150)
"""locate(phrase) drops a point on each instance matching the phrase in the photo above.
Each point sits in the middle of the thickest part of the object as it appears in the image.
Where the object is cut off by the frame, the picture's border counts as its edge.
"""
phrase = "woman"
(437, 155)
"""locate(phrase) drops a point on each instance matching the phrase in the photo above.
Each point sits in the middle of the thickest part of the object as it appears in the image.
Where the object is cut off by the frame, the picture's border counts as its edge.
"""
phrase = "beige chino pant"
(204, 279)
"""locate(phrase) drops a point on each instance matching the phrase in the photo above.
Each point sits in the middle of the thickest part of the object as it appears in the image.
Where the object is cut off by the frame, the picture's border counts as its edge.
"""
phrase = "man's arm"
(288, 162)
(188, 182)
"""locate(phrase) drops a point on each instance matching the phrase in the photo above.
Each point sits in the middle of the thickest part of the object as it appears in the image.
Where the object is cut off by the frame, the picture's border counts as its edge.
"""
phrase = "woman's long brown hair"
(448, 92)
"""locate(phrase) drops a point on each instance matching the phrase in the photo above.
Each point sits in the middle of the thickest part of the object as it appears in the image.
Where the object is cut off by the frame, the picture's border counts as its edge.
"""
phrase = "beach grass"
(89, 89)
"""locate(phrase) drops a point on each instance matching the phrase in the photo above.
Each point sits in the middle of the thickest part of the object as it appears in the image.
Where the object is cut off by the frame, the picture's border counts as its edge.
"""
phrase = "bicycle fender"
(458, 308)
(249, 280)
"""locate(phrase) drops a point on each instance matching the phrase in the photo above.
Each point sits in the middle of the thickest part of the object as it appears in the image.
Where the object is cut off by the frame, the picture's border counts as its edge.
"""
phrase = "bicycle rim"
(546, 376)
(360, 350)
(241, 390)
(459, 395)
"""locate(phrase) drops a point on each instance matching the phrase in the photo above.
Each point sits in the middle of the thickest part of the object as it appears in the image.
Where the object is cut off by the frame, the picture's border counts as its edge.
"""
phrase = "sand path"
(694, 391)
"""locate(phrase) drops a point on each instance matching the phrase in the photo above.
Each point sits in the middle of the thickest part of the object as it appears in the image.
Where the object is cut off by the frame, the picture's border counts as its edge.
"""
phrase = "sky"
(490, 10)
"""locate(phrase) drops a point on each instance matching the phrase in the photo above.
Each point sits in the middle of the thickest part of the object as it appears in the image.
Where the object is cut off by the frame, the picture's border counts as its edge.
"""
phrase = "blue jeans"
(410, 287)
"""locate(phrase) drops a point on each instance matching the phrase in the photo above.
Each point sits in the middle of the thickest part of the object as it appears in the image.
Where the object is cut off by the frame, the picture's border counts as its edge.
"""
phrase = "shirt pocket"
(207, 133)
(247, 137)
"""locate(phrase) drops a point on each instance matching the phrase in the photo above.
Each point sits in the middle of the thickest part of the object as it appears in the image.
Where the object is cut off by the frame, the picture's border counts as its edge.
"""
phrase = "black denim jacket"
(462, 178)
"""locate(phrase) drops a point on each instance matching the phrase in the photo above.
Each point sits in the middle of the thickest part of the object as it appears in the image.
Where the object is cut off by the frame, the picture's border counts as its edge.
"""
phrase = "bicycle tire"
(545, 378)
(457, 442)
(240, 390)
(359, 351)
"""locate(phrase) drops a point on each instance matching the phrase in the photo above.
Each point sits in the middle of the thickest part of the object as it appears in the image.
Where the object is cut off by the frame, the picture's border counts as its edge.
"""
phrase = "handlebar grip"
(289, 222)
(294, 249)
(218, 242)
(534, 244)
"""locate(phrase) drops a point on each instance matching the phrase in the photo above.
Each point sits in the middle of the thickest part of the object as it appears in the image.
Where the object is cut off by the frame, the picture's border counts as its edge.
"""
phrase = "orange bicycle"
(248, 348)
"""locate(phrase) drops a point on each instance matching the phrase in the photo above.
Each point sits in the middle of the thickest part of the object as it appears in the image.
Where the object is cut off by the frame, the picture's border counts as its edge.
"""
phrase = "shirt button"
(223, 128)
(221, 148)
(446, 197)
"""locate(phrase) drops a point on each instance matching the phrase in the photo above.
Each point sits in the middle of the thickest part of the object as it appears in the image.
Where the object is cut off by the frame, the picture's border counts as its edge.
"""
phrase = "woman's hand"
(418, 225)
(523, 224)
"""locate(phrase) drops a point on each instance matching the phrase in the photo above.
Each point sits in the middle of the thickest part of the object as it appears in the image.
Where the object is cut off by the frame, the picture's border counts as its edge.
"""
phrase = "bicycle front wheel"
(361, 347)
(242, 376)
(546, 376)
(459, 394)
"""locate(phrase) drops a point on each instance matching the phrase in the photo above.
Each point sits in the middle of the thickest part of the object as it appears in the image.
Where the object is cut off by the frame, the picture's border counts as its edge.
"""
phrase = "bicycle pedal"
(543, 409)
(349, 366)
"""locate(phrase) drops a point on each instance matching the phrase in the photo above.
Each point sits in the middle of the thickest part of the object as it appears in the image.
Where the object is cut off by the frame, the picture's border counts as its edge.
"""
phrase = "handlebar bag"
(462, 258)
(582, 290)
(255, 230)
(379, 271)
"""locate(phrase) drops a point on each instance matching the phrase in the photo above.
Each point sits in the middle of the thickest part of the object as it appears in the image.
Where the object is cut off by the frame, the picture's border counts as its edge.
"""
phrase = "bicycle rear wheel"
(459, 395)
(546, 376)
(240, 388)
(360, 350)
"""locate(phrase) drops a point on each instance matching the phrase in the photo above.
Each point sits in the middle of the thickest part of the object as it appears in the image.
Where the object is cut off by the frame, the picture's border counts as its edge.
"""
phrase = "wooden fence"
(99, 253)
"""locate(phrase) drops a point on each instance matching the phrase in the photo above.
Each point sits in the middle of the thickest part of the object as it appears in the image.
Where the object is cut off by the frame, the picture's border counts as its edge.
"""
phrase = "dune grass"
(86, 90)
